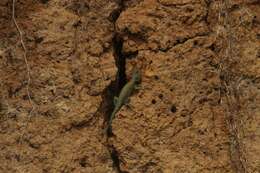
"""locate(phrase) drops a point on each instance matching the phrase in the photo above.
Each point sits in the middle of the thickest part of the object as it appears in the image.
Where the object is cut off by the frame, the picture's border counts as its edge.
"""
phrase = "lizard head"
(136, 75)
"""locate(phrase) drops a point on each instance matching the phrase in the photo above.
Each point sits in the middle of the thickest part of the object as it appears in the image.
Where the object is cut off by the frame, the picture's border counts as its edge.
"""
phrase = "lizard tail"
(111, 119)
(109, 125)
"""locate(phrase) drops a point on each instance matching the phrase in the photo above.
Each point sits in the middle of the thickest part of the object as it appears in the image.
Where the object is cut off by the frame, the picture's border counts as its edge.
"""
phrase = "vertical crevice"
(116, 161)
(114, 88)
(120, 62)
(117, 43)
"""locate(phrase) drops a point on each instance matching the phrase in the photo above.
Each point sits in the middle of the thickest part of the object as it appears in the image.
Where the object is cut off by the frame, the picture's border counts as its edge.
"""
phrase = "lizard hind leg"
(127, 101)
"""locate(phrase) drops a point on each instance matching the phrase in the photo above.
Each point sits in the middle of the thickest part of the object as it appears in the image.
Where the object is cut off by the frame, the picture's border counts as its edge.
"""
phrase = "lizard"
(124, 94)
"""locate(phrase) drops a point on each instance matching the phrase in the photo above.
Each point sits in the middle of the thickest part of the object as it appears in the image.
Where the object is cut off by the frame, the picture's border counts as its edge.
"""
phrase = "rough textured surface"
(71, 63)
(197, 109)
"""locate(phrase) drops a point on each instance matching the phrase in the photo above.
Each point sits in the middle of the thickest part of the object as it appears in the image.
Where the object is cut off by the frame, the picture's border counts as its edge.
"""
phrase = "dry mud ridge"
(198, 108)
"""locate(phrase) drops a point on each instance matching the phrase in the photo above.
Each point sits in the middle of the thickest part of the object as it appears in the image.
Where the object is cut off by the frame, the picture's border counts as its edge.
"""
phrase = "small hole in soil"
(38, 39)
(83, 162)
(195, 42)
(153, 101)
(183, 115)
(201, 132)
(173, 109)
(156, 77)
(212, 47)
(160, 96)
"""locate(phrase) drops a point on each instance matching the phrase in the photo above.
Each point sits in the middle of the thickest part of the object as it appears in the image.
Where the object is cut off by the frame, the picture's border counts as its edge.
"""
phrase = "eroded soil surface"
(197, 108)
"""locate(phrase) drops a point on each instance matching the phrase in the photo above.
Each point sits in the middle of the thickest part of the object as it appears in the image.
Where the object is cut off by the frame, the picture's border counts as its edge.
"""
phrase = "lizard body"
(124, 95)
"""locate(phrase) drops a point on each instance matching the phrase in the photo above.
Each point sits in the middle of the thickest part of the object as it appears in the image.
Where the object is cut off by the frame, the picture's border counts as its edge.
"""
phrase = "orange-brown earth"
(198, 108)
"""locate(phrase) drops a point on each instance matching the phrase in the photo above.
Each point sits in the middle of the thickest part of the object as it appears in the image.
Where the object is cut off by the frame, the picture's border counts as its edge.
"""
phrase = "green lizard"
(125, 94)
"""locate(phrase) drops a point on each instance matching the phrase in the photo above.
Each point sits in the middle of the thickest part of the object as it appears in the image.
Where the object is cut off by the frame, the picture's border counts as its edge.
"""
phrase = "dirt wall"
(197, 107)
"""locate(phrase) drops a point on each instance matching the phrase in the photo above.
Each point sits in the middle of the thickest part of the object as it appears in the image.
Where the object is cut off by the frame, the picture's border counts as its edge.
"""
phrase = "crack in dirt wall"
(197, 108)
(115, 87)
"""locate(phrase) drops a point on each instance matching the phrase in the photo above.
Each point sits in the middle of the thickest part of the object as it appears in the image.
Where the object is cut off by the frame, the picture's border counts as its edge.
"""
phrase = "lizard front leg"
(115, 100)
